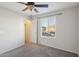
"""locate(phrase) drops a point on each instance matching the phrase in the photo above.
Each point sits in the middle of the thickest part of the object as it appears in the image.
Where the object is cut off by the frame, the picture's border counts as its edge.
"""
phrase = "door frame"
(24, 33)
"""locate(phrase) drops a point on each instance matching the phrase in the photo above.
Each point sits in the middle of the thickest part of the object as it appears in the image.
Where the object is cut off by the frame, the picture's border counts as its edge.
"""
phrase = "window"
(48, 26)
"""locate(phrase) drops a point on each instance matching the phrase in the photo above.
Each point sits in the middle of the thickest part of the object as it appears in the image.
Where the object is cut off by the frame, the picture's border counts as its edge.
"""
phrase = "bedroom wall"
(11, 30)
(66, 31)
(34, 30)
(78, 30)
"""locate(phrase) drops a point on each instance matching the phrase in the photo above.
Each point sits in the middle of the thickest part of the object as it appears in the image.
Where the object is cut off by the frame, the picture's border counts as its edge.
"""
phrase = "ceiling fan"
(32, 6)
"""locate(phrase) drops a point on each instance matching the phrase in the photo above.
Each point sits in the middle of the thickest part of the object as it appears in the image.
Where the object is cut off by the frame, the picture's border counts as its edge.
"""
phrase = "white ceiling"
(52, 6)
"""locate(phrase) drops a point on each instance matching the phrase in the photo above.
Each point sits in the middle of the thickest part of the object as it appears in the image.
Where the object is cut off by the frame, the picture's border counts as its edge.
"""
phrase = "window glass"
(48, 26)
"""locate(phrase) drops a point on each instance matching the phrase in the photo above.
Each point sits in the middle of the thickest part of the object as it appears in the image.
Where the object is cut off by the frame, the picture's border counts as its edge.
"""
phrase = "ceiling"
(52, 6)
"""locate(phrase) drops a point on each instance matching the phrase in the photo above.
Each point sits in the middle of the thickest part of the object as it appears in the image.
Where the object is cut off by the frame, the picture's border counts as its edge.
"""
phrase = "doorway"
(27, 26)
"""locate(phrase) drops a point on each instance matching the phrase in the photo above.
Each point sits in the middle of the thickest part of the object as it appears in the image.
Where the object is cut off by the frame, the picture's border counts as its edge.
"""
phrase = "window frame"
(48, 25)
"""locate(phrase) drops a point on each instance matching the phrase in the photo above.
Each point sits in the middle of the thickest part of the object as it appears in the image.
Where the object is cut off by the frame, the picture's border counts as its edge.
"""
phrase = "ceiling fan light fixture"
(31, 6)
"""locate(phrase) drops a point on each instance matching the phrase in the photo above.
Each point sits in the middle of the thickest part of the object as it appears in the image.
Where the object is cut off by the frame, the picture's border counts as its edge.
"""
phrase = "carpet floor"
(35, 50)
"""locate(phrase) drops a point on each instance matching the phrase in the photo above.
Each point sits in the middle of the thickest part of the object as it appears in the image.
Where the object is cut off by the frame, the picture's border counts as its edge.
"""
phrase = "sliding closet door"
(46, 30)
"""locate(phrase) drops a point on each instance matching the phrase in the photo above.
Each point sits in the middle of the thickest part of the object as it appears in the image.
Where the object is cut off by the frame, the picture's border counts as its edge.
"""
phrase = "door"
(27, 32)
(46, 30)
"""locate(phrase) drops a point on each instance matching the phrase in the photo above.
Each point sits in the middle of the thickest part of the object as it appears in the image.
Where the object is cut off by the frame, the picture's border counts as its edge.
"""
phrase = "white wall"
(11, 30)
(66, 31)
(34, 31)
(78, 30)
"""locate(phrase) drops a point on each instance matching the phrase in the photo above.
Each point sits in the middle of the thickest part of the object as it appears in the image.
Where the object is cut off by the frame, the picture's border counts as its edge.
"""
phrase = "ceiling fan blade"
(35, 10)
(41, 5)
(25, 9)
(23, 3)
